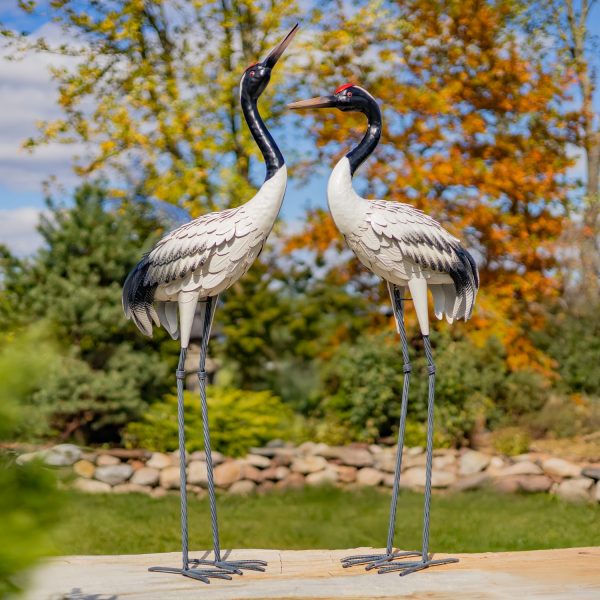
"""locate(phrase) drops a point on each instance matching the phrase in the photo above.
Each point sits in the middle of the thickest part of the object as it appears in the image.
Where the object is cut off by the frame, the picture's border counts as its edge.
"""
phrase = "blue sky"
(27, 96)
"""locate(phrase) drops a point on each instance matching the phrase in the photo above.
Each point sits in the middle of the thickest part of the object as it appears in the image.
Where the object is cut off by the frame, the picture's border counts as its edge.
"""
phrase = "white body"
(216, 249)
(206, 256)
(402, 245)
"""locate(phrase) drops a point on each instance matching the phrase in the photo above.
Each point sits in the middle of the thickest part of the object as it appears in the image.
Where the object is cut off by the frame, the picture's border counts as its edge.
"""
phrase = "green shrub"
(416, 434)
(327, 429)
(573, 340)
(469, 380)
(511, 440)
(362, 388)
(29, 507)
(522, 392)
(566, 416)
(26, 360)
(94, 404)
(29, 502)
(238, 420)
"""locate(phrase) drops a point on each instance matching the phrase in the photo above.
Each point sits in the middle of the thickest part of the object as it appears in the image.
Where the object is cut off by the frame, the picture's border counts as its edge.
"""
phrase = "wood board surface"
(564, 574)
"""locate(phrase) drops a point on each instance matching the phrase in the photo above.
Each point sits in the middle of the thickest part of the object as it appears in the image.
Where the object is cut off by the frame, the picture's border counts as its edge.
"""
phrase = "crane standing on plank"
(195, 263)
(407, 248)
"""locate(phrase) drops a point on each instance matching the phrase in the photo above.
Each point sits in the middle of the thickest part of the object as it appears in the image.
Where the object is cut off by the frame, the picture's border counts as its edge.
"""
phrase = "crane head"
(347, 97)
(257, 76)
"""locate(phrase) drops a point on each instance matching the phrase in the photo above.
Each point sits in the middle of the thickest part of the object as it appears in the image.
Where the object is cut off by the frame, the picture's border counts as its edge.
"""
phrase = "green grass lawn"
(325, 518)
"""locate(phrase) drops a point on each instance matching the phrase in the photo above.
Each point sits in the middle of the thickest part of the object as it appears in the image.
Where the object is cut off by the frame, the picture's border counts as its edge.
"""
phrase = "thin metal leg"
(228, 566)
(182, 459)
(199, 574)
(206, 327)
(425, 562)
(375, 560)
(429, 457)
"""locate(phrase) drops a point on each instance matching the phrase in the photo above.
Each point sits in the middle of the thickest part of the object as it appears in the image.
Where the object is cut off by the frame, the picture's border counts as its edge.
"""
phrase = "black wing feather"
(465, 277)
(138, 297)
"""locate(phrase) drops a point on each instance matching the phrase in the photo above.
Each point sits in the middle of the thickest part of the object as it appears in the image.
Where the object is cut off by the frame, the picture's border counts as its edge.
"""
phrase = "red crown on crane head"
(343, 87)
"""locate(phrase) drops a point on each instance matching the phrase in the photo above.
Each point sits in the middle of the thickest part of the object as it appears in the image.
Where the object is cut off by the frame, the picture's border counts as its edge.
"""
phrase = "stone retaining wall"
(278, 466)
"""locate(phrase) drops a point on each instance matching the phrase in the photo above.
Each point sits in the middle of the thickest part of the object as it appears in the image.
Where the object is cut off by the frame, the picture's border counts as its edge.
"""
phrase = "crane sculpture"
(407, 248)
(188, 269)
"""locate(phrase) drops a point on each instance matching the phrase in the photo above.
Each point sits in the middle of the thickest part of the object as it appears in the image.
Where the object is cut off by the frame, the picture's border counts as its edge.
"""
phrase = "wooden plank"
(565, 574)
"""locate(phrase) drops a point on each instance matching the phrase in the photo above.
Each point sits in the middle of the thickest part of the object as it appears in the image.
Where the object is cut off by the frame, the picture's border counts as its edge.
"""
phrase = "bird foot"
(233, 566)
(203, 575)
(407, 568)
(374, 561)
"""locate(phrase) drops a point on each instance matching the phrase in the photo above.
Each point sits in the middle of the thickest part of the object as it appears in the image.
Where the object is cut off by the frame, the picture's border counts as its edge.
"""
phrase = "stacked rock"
(279, 466)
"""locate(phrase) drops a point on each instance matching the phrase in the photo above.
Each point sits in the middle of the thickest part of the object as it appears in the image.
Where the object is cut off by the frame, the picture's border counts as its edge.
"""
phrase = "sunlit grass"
(325, 518)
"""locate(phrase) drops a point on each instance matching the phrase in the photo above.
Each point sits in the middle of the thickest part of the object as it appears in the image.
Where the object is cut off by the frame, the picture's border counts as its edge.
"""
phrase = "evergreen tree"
(107, 373)
(280, 321)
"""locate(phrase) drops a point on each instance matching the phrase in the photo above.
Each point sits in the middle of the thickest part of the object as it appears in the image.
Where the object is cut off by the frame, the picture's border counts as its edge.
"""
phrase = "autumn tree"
(473, 134)
(152, 92)
(573, 23)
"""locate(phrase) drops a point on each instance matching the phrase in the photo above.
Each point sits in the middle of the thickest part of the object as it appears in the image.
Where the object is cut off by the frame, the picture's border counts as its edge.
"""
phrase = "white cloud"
(18, 230)
(28, 95)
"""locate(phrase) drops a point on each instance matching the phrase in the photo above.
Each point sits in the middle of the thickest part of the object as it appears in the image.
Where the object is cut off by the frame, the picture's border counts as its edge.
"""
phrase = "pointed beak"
(320, 102)
(276, 53)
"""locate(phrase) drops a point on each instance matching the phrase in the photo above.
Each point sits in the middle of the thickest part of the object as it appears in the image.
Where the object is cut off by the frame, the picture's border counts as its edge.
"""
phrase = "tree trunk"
(590, 251)
(589, 284)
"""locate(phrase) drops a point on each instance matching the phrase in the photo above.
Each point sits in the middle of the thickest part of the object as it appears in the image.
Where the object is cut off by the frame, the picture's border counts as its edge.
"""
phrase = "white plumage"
(201, 259)
(406, 247)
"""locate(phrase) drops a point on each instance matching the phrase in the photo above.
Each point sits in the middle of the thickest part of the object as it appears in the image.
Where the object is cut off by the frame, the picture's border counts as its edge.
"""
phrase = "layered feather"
(200, 259)
(138, 297)
(203, 256)
(400, 242)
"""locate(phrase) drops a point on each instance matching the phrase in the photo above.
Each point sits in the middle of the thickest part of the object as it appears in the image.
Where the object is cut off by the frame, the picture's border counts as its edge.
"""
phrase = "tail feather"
(138, 298)
(473, 266)
(466, 282)
(167, 314)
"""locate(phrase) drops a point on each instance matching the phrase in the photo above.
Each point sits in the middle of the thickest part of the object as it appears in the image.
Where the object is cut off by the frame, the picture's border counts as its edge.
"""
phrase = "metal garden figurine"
(408, 249)
(187, 269)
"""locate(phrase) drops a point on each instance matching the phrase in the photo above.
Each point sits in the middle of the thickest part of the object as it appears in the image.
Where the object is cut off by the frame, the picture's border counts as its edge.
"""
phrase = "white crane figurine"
(408, 249)
(195, 263)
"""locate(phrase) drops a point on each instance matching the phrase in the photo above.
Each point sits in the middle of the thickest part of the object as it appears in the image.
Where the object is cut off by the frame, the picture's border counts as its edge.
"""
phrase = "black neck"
(271, 153)
(358, 155)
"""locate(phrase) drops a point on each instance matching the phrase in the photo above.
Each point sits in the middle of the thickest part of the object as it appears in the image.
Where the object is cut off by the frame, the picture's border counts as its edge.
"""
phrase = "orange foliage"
(472, 135)
(318, 235)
